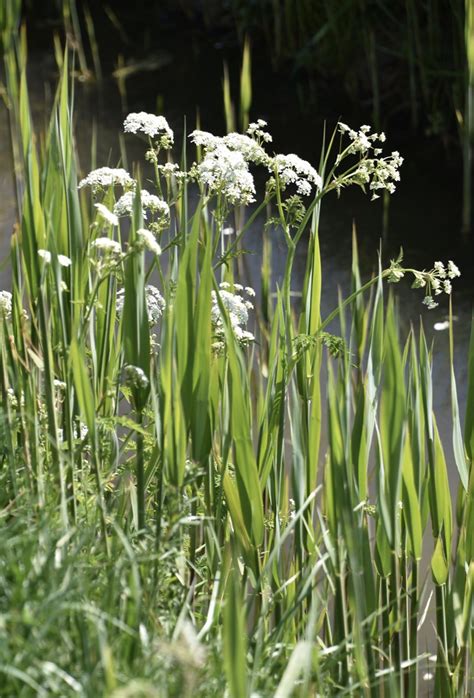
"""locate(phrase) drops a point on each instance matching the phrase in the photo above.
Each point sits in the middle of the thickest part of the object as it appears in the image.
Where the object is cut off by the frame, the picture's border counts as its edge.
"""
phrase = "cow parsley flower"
(292, 169)
(155, 304)
(146, 239)
(379, 173)
(108, 254)
(105, 177)
(47, 257)
(225, 172)
(237, 308)
(5, 305)
(453, 270)
(107, 246)
(436, 281)
(440, 270)
(205, 139)
(250, 149)
(429, 302)
(107, 215)
(362, 140)
(150, 125)
(150, 202)
(257, 130)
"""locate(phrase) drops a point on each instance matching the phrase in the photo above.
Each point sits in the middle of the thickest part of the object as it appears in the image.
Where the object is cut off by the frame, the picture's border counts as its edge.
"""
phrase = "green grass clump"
(171, 524)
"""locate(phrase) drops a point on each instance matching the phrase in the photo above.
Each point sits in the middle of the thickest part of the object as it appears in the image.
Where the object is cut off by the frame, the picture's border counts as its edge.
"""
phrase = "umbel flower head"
(224, 169)
(155, 127)
(237, 307)
(292, 169)
(226, 172)
(105, 177)
(377, 172)
(149, 202)
(155, 304)
(5, 305)
(435, 281)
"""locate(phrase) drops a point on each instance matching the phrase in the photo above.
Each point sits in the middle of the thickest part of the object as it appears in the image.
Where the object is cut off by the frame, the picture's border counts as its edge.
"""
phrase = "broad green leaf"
(235, 637)
(439, 566)
(411, 504)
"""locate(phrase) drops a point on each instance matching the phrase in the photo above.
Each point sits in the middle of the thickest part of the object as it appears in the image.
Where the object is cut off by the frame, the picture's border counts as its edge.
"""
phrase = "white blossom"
(5, 305)
(64, 261)
(250, 149)
(440, 270)
(238, 311)
(292, 169)
(429, 302)
(453, 270)
(107, 177)
(149, 202)
(362, 142)
(379, 173)
(226, 172)
(151, 125)
(155, 304)
(47, 257)
(107, 246)
(109, 254)
(257, 130)
(148, 240)
(107, 215)
(205, 139)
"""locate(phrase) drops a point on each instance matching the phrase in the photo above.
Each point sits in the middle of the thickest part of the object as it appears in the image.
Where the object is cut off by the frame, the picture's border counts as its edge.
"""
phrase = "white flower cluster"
(135, 377)
(257, 130)
(147, 240)
(108, 254)
(225, 172)
(108, 247)
(107, 215)
(155, 304)
(105, 177)
(225, 166)
(437, 279)
(237, 308)
(5, 305)
(150, 202)
(250, 149)
(62, 259)
(362, 140)
(171, 169)
(379, 173)
(292, 169)
(150, 125)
